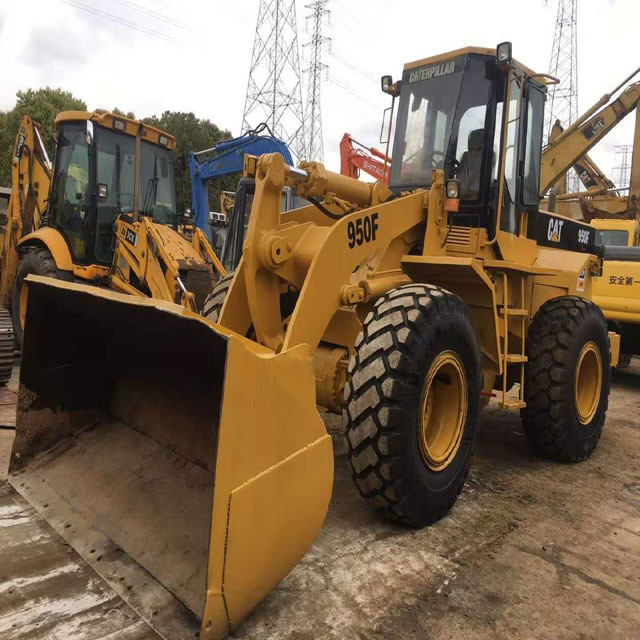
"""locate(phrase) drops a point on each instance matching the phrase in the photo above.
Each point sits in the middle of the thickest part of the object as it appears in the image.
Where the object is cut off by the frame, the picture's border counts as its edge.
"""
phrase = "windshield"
(441, 123)
(157, 187)
(610, 237)
(115, 168)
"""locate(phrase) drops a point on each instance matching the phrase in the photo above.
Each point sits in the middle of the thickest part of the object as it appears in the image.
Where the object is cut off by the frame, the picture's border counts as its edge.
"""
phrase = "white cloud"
(195, 54)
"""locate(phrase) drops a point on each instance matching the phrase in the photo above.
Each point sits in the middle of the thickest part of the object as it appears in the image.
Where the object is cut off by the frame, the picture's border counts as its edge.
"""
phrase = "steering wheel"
(430, 158)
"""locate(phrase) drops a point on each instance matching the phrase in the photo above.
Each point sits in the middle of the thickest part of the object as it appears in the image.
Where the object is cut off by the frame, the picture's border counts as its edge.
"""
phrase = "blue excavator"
(228, 158)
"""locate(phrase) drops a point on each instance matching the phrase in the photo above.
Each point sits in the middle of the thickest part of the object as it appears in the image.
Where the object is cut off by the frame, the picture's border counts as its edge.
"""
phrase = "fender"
(54, 242)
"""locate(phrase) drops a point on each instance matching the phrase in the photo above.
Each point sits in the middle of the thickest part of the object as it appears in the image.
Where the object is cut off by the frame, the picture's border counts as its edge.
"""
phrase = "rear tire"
(214, 301)
(567, 379)
(624, 360)
(39, 262)
(7, 346)
(410, 447)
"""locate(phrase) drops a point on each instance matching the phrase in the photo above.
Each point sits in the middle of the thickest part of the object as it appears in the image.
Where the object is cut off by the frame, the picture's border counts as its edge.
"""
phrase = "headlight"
(503, 52)
(453, 189)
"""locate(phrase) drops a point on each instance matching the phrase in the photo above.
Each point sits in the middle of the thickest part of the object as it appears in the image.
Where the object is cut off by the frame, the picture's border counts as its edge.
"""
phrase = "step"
(515, 358)
(512, 311)
(514, 404)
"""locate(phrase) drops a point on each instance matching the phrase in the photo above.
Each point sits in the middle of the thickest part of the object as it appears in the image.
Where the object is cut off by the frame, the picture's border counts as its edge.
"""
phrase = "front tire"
(215, 300)
(38, 262)
(567, 379)
(413, 403)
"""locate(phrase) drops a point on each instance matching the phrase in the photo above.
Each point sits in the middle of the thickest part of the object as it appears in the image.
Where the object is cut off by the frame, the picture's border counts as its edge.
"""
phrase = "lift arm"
(354, 158)
(30, 181)
(575, 142)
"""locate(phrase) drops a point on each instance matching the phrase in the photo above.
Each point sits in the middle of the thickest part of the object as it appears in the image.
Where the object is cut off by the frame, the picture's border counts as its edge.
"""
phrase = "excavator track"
(7, 346)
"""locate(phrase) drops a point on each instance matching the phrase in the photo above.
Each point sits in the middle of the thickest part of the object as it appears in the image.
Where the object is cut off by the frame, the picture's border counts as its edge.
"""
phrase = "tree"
(193, 134)
(42, 105)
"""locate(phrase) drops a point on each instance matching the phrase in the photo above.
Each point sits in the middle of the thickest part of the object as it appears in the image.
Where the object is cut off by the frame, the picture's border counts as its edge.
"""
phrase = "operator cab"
(98, 157)
(477, 115)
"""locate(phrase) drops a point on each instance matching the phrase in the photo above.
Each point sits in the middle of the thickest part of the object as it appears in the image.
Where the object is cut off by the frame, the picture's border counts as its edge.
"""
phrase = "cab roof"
(149, 133)
(479, 50)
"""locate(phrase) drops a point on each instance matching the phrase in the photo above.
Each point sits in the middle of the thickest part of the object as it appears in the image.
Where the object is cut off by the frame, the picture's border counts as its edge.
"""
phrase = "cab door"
(522, 113)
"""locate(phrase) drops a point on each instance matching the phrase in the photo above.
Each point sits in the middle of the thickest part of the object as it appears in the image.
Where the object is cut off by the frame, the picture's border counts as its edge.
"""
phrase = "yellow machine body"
(192, 452)
(617, 290)
(150, 258)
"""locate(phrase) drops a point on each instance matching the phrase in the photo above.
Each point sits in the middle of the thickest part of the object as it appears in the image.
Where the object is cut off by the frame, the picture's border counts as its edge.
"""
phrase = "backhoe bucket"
(187, 464)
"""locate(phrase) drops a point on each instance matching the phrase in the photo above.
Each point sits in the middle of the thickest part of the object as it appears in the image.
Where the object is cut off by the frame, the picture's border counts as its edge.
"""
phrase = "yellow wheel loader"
(186, 460)
(104, 213)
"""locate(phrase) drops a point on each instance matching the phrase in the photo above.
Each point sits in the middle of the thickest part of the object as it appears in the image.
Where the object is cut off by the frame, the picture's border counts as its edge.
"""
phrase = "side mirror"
(164, 169)
(89, 132)
(389, 86)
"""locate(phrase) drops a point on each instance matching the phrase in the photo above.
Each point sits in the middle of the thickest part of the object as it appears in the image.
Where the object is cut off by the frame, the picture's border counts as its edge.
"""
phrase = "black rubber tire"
(39, 262)
(406, 330)
(624, 361)
(7, 346)
(559, 330)
(214, 301)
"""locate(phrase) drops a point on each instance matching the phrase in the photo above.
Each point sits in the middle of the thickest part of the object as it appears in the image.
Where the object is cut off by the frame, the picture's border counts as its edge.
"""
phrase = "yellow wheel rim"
(588, 382)
(23, 304)
(443, 410)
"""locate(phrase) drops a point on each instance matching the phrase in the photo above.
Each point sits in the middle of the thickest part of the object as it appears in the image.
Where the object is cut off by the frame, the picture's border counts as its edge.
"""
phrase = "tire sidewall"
(590, 330)
(449, 334)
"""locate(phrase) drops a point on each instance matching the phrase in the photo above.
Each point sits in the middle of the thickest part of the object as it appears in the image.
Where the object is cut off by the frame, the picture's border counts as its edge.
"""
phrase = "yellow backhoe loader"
(103, 214)
(569, 148)
(186, 460)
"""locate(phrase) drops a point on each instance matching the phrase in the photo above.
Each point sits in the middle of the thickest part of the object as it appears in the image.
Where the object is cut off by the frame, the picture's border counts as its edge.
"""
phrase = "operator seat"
(470, 165)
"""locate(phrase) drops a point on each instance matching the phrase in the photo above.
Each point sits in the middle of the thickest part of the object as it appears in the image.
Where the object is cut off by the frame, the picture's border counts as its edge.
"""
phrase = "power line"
(122, 21)
(351, 92)
(353, 67)
(153, 14)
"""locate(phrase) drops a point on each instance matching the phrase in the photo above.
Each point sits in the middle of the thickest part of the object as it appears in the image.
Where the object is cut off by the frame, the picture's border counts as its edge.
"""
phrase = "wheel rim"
(588, 382)
(443, 410)
(23, 304)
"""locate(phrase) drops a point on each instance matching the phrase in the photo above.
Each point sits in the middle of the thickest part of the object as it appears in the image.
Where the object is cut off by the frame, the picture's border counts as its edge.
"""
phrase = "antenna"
(274, 90)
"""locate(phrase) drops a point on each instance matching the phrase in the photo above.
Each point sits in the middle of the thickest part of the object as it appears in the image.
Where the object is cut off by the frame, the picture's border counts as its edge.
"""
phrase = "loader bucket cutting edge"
(188, 465)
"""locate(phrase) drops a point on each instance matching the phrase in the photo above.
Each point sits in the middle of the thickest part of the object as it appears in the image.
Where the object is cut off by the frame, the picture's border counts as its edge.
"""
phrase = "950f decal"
(362, 230)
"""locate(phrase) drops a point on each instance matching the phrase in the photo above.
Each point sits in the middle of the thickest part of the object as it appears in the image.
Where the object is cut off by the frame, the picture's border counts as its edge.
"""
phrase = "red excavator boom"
(355, 157)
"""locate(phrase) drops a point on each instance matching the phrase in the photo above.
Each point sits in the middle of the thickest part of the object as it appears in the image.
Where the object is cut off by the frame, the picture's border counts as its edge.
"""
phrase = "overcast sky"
(193, 55)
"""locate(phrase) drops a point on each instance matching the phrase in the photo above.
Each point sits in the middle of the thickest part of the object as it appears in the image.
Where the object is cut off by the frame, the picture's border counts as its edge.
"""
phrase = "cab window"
(71, 187)
(613, 237)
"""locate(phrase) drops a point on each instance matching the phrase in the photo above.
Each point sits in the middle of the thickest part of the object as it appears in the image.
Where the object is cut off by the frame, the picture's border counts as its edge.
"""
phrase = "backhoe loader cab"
(104, 166)
(404, 308)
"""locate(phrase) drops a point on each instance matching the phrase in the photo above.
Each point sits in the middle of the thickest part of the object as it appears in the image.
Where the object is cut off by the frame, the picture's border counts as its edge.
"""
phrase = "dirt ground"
(532, 549)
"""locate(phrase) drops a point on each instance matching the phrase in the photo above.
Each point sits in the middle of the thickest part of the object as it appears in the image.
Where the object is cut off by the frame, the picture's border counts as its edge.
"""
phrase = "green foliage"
(193, 134)
(42, 105)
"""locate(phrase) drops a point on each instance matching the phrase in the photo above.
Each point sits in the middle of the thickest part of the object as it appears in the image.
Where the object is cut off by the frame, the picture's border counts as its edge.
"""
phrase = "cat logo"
(554, 232)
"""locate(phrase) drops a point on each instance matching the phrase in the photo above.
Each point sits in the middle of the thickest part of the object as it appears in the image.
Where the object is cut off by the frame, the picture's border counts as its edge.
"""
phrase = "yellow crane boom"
(576, 141)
